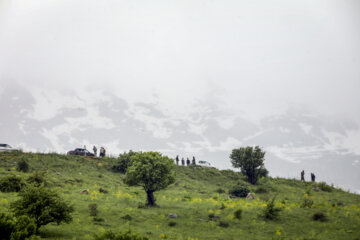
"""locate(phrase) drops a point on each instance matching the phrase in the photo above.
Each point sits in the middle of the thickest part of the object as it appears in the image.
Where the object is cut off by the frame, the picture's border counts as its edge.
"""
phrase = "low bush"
(19, 229)
(127, 217)
(324, 187)
(109, 235)
(93, 209)
(240, 190)
(43, 205)
(172, 224)
(11, 184)
(237, 214)
(220, 190)
(319, 216)
(224, 224)
(22, 166)
(307, 203)
(271, 212)
(37, 179)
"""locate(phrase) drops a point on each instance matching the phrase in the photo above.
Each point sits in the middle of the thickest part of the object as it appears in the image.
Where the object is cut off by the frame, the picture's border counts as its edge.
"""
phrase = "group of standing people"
(102, 151)
(188, 162)
(303, 176)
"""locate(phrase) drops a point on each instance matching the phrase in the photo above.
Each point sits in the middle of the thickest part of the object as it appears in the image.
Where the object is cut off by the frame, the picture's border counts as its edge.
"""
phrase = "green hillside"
(199, 197)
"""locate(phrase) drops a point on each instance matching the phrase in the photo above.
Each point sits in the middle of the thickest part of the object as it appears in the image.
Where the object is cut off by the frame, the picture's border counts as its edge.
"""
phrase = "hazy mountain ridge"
(297, 139)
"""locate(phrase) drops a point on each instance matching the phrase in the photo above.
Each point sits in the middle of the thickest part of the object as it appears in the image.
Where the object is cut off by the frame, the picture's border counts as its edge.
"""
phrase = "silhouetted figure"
(182, 161)
(177, 159)
(187, 162)
(102, 152)
(312, 177)
(95, 150)
(193, 161)
(302, 175)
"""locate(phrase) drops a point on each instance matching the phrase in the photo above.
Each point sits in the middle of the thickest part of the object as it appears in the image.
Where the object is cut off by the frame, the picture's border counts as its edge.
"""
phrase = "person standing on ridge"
(177, 159)
(95, 150)
(182, 161)
(193, 161)
(302, 175)
(312, 177)
(187, 162)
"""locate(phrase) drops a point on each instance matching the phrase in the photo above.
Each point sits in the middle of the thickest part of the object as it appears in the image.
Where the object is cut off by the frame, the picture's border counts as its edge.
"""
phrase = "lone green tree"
(251, 162)
(151, 171)
(42, 205)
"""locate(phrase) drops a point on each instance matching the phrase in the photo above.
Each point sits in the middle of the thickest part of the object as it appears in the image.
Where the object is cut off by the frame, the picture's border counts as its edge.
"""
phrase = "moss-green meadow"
(197, 194)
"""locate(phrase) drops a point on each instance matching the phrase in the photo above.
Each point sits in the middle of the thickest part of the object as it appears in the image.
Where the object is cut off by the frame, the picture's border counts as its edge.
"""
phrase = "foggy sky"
(281, 74)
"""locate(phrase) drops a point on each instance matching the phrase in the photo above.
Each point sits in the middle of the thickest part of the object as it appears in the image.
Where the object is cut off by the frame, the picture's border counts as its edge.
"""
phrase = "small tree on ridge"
(251, 162)
(152, 171)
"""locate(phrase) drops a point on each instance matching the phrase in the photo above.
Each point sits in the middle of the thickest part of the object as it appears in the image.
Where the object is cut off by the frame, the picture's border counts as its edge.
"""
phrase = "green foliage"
(307, 203)
(220, 190)
(123, 162)
(319, 216)
(16, 229)
(251, 162)
(37, 179)
(127, 217)
(224, 224)
(93, 209)
(324, 187)
(109, 235)
(6, 226)
(24, 228)
(237, 214)
(43, 205)
(172, 224)
(239, 190)
(152, 171)
(22, 166)
(271, 212)
(11, 184)
(261, 190)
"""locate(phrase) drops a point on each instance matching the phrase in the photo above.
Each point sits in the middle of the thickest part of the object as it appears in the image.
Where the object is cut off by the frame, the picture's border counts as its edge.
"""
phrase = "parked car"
(6, 147)
(204, 164)
(80, 151)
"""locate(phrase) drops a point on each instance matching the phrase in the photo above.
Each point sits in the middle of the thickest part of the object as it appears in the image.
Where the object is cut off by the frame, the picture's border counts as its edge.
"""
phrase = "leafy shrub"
(222, 207)
(93, 209)
(237, 214)
(22, 166)
(11, 184)
(319, 216)
(127, 217)
(224, 224)
(43, 205)
(20, 229)
(220, 190)
(270, 211)
(24, 228)
(211, 215)
(240, 190)
(307, 203)
(109, 235)
(37, 178)
(6, 226)
(123, 162)
(324, 187)
(172, 224)
(98, 219)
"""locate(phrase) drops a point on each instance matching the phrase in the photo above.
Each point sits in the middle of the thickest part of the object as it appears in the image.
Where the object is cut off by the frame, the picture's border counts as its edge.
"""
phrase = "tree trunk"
(150, 198)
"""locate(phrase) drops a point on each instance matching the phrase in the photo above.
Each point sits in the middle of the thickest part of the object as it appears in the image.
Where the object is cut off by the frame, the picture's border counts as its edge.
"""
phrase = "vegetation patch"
(11, 184)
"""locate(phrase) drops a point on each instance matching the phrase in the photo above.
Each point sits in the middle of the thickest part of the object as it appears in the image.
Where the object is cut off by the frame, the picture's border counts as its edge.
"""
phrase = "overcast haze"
(187, 77)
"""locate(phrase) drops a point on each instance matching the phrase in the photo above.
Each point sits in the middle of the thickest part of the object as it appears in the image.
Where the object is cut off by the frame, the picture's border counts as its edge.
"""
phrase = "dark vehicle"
(81, 152)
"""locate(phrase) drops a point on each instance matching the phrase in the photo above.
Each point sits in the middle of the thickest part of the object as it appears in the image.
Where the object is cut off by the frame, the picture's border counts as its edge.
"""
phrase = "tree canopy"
(150, 170)
(251, 162)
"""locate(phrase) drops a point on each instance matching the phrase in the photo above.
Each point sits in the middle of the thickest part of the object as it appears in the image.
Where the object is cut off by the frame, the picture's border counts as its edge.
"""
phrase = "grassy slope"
(193, 197)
